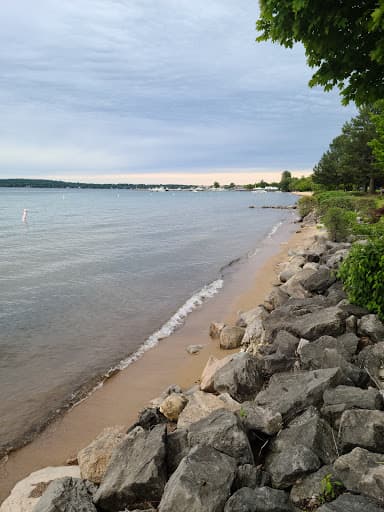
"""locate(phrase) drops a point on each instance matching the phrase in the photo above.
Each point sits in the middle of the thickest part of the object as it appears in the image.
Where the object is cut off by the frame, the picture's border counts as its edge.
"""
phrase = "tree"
(216, 184)
(343, 39)
(377, 143)
(285, 181)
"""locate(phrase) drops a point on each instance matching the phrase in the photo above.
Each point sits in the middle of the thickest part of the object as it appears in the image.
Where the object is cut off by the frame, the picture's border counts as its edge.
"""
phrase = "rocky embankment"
(294, 421)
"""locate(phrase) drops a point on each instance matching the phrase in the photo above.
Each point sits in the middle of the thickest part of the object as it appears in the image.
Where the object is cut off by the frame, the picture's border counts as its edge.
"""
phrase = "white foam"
(274, 229)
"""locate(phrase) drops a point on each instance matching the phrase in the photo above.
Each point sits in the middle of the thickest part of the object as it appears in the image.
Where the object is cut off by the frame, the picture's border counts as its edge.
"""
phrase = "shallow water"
(94, 273)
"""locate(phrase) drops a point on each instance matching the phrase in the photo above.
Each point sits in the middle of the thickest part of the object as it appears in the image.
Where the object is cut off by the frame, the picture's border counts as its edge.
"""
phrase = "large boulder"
(222, 430)
(308, 490)
(362, 472)
(28, 491)
(286, 343)
(254, 332)
(312, 354)
(215, 330)
(208, 375)
(372, 359)
(371, 326)
(294, 286)
(351, 503)
(177, 448)
(248, 475)
(291, 393)
(276, 298)
(362, 428)
(66, 495)
(262, 499)
(199, 406)
(319, 281)
(262, 419)
(309, 325)
(172, 406)
(94, 458)
(230, 337)
(136, 473)
(202, 481)
(241, 377)
(300, 449)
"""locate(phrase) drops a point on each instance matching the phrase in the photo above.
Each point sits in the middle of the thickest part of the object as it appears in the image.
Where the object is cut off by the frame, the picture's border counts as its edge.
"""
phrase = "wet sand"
(121, 397)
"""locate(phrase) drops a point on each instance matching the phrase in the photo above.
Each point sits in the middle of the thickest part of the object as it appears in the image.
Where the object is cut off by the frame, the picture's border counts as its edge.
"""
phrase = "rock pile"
(294, 421)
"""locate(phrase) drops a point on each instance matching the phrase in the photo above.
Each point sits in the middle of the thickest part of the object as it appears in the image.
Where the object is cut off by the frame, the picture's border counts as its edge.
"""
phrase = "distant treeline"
(33, 183)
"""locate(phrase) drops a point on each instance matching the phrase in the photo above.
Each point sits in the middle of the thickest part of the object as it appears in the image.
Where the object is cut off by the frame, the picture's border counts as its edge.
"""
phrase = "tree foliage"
(350, 163)
(343, 40)
(377, 142)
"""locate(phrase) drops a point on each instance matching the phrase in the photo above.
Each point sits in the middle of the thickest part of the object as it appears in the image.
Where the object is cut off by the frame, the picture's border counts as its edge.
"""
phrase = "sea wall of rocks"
(293, 421)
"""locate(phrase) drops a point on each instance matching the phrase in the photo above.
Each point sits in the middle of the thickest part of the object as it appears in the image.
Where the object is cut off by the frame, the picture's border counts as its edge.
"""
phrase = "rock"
(333, 261)
(177, 448)
(194, 349)
(254, 333)
(66, 495)
(362, 471)
(202, 482)
(351, 503)
(325, 321)
(199, 406)
(276, 298)
(246, 318)
(306, 443)
(277, 362)
(335, 294)
(351, 324)
(136, 473)
(286, 343)
(354, 398)
(309, 489)
(288, 272)
(229, 403)
(241, 377)
(258, 418)
(353, 309)
(262, 499)
(349, 342)
(28, 491)
(372, 358)
(173, 405)
(94, 458)
(231, 337)
(370, 325)
(294, 287)
(223, 431)
(173, 388)
(352, 374)
(312, 354)
(312, 265)
(207, 378)
(319, 281)
(362, 428)
(148, 418)
(289, 394)
(250, 476)
(215, 330)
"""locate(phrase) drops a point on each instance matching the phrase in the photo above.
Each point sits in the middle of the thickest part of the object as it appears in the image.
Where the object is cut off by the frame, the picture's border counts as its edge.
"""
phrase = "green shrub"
(369, 230)
(362, 273)
(339, 223)
(306, 204)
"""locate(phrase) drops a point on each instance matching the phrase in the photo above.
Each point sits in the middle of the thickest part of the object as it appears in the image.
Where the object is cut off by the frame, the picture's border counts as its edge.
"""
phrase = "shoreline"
(121, 396)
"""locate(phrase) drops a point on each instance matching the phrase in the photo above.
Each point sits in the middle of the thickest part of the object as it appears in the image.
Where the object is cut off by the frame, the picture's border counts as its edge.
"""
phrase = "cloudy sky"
(154, 91)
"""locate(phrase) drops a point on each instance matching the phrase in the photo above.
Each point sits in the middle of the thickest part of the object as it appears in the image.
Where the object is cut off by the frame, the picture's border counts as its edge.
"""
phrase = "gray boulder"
(319, 281)
(177, 448)
(372, 358)
(308, 490)
(289, 394)
(286, 343)
(371, 326)
(254, 332)
(202, 481)
(277, 362)
(67, 495)
(306, 443)
(351, 503)
(294, 285)
(251, 476)
(312, 354)
(241, 377)
(230, 337)
(223, 431)
(362, 428)
(136, 473)
(262, 499)
(335, 293)
(254, 417)
(362, 471)
(334, 260)
(276, 298)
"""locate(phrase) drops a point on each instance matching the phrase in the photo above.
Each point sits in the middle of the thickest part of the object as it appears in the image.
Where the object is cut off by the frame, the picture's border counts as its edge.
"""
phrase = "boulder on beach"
(199, 406)
(215, 330)
(26, 493)
(94, 458)
(230, 337)
(172, 406)
(208, 375)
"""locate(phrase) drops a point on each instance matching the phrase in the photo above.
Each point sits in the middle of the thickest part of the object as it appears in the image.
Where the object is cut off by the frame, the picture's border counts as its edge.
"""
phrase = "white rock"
(28, 491)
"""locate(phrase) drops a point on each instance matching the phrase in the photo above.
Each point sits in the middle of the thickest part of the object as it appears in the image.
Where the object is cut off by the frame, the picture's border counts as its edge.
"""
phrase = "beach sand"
(122, 396)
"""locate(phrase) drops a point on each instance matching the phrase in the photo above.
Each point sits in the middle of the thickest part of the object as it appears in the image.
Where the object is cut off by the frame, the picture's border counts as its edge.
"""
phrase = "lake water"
(95, 277)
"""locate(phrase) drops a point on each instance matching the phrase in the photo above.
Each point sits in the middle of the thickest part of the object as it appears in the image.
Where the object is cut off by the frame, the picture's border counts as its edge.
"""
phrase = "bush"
(305, 205)
(339, 223)
(363, 275)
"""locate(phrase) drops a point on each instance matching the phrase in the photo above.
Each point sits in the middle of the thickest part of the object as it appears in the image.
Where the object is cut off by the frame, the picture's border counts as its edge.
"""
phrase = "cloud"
(131, 86)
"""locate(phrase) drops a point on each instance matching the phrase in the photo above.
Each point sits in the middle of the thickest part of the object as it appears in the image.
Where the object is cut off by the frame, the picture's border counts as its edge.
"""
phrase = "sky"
(154, 91)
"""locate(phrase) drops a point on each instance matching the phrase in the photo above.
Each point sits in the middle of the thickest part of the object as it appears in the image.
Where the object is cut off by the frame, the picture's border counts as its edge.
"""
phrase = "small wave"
(274, 229)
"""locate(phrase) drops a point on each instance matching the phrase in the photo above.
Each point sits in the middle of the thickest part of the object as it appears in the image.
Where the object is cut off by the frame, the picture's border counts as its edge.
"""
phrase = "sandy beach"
(121, 397)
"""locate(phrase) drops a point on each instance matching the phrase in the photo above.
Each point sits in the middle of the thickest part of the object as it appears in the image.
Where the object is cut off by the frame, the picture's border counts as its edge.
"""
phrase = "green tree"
(216, 184)
(377, 143)
(343, 40)
(285, 181)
